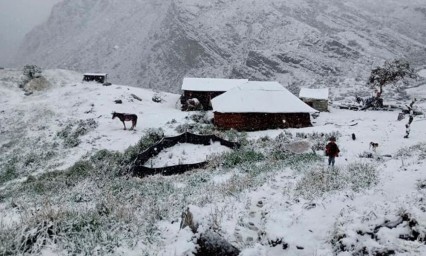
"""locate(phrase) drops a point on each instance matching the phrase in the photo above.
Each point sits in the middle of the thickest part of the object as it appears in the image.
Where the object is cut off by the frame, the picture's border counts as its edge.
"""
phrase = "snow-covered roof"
(95, 74)
(260, 97)
(318, 94)
(211, 84)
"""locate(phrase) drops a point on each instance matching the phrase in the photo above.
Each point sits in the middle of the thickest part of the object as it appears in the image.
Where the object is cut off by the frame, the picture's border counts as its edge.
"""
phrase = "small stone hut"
(97, 77)
(316, 98)
(260, 106)
(205, 89)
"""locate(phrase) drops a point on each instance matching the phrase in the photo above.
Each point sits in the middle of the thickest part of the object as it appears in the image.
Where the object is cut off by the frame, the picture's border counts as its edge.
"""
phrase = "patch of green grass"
(57, 181)
(8, 173)
(362, 175)
(320, 180)
(297, 161)
(240, 156)
(79, 171)
(77, 233)
(107, 162)
(71, 132)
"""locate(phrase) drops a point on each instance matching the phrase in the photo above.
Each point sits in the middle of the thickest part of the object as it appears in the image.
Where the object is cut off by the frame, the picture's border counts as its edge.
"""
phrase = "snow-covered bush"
(84, 233)
(419, 149)
(201, 117)
(29, 72)
(196, 128)
(78, 171)
(108, 163)
(374, 232)
(284, 137)
(198, 123)
(72, 131)
(235, 136)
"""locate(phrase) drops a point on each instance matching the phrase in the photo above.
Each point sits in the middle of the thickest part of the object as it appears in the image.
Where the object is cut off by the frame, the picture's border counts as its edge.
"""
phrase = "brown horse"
(126, 117)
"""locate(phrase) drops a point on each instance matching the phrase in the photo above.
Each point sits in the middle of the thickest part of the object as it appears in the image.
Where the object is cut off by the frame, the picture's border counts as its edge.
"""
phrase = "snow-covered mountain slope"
(38, 127)
(154, 44)
(372, 203)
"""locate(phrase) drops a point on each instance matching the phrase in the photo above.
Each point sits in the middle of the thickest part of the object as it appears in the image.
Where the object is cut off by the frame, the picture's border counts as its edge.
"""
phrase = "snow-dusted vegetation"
(66, 189)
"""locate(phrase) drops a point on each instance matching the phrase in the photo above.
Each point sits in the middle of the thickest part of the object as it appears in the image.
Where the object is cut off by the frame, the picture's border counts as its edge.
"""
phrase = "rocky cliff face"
(155, 43)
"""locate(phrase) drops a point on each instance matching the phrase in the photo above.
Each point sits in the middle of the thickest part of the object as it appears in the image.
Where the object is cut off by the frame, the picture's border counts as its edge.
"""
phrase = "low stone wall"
(139, 170)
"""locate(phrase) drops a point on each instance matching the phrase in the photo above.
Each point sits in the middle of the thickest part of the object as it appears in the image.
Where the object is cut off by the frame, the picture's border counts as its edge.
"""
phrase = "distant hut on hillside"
(260, 106)
(316, 98)
(97, 77)
(205, 89)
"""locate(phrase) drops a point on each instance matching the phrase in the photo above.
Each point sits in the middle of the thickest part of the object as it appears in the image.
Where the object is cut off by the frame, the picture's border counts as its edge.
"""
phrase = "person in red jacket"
(332, 150)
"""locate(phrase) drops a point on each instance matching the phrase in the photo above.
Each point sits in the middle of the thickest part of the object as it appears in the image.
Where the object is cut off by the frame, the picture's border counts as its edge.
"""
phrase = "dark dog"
(353, 136)
(374, 145)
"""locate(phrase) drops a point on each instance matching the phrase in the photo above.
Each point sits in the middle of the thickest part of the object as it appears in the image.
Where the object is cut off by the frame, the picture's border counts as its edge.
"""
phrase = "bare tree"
(391, 72)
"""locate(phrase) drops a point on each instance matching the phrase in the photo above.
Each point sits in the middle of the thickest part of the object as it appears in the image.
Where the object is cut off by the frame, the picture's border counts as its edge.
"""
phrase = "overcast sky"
(18, 17)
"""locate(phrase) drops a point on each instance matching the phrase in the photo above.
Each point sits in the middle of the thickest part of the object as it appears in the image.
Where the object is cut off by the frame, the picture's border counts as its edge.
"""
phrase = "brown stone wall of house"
(203, 97)
(261, 121)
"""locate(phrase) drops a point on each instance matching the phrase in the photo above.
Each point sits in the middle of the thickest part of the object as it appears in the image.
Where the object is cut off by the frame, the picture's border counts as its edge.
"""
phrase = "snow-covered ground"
(422, 73)
(286, 209)
(40, 116)
(186, 153)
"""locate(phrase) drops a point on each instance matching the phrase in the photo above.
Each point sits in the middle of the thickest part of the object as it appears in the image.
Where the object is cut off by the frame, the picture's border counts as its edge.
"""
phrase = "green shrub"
(65, 132)
(79, 171)
(201, 117)
(107, 162)
(196, 128)
(8, 174)
(39, 187)
(71, 132)
(235, 136)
